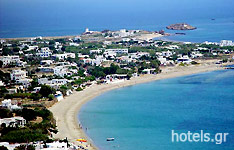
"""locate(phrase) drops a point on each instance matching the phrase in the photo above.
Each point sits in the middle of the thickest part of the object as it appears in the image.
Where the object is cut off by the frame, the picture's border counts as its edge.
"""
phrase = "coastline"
(65, 111)
(44, 37)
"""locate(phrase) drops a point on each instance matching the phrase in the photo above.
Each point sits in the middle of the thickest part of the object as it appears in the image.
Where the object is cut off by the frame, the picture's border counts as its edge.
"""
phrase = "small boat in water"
(110, 139)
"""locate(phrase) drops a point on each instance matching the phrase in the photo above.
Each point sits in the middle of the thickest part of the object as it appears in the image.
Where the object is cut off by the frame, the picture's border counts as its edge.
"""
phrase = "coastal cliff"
(181, 26)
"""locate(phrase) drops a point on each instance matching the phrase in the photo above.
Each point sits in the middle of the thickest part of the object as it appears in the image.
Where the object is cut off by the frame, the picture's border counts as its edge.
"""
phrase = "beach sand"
(149, 36)
(65, 111)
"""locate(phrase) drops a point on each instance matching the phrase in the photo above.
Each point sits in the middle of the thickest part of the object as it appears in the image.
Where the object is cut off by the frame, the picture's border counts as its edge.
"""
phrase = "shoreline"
(141, 37)
(43, 37)
(66, 111)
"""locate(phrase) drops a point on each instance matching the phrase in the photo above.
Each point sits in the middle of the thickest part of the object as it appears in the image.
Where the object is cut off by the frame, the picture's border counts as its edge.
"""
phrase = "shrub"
(5, 113)
(46, 90)
(79, 89)
(3, 148)
(25, 147)
(23, 136)
(194, 63)
(35, 96)
(51, 97)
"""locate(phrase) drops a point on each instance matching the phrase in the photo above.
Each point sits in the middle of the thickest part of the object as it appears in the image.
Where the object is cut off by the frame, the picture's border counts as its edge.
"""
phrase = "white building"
(162, 60)
(62, 71)
(2, 83)
(82, 56)
(172, 47)
(44, 52)
(25, 82)
(196, 54)
(118, 51)
(59, 95)
(98, 51)
(167, 53)
(74, 44)
(226, 43)
(64, 56)
(46, 81)
(13, 121)
(32, 48)
(107, 42)
(9, 59)
(148, 71)
(46, 62)
(7, 104)
(139, 55)
(18, 74)
(185, 59)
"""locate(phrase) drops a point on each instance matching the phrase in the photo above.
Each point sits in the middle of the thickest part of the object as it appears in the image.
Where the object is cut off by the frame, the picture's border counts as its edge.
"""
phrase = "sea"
(214, 19)
(142, 117)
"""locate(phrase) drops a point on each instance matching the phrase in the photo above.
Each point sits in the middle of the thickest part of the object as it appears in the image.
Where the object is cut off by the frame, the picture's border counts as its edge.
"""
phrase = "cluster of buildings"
(40, 145)
(57, 67)
(221, 43)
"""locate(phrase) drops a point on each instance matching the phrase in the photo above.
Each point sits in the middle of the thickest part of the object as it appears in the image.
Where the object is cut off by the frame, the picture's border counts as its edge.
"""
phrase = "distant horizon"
(27, 18)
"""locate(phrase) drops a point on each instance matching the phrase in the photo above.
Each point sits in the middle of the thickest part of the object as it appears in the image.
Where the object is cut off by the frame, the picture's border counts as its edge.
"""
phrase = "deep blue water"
(142, 116)
(26, 18)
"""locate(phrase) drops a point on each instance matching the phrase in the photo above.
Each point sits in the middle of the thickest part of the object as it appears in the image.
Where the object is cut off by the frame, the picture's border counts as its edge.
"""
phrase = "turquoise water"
(26, 18)
(142, 116)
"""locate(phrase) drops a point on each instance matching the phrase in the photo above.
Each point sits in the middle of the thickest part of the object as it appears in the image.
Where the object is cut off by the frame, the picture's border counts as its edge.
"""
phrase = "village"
(38, 72)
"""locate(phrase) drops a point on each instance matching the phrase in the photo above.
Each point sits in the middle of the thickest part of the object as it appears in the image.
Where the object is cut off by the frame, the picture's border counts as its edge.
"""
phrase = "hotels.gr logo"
(218, 138)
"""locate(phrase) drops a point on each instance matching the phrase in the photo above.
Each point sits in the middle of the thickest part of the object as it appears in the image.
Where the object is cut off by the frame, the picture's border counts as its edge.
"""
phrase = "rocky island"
(181, 26)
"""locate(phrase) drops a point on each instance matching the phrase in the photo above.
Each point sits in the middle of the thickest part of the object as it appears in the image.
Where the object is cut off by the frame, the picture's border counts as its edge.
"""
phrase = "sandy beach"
(65, 111)
(149, 36)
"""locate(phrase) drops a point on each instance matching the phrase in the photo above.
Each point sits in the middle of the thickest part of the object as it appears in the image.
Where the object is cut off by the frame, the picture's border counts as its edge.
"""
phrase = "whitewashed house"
(184, 59)
(7, 103)
(25, 82)
(9, 59)
(46, 62)
(13, 121)
(167, 53)
(18, 74)
(118, 51)
(64, 56)
(98, 51)
(148, 71)
(62, 71)
(44, 52)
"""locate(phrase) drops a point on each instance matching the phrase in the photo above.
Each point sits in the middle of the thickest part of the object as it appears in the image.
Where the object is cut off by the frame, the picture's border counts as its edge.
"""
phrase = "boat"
(110, 139)
(180, 33)
(81, 140)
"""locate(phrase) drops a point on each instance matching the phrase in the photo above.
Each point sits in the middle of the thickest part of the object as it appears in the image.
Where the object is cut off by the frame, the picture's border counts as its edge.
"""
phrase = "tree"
(3, 148)
(25, 147)
(3, 91)
(28, 114)
(46, 90)
(63, 89)
(51, 97)
(35, 96)
(1, 64)
(16, 49)
(24, 135)
(5, 113)
(6, 51)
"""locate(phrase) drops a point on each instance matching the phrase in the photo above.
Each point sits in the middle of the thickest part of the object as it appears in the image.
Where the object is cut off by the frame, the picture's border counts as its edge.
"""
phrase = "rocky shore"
(181, 26)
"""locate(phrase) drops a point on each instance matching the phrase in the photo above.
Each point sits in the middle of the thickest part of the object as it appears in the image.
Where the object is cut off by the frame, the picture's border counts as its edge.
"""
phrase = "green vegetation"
(98, 71)
(79, 89)
(46, 90)
(32, 131)
(3, 148)
(25, 147)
